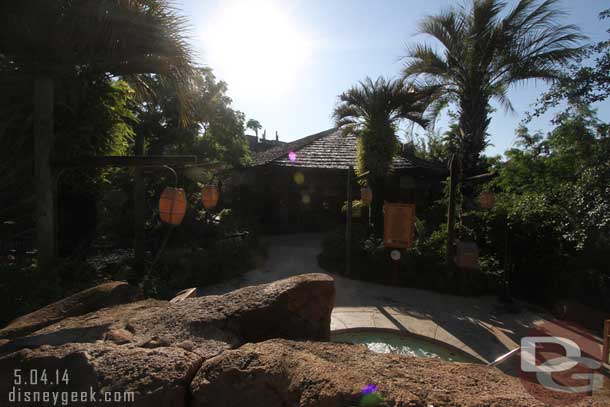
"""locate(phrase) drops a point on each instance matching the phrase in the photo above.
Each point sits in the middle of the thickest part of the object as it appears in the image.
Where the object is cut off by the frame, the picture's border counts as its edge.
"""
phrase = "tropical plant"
(485, 49)
(45, 40)
(553, 209)
(254, 125)
(215, 131)
(581, 83)
(372, 111)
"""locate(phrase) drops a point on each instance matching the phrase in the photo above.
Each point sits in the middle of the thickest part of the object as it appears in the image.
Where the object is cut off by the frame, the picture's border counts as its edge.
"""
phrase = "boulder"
(130, 375)
(83, 302)
(294, 308)
(154, 348)
(307, 374)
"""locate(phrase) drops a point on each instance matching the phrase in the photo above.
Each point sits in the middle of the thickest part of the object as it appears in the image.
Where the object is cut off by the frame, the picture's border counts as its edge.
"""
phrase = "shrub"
(180, 268)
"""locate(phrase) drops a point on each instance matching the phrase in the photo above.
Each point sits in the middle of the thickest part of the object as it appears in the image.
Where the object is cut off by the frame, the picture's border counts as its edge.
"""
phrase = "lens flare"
(370, 397)
(292, 156)
(369, 388)
(299, 178)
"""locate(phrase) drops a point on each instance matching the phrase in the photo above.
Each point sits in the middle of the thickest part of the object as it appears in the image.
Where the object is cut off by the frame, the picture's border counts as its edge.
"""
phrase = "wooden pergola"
(142, 164)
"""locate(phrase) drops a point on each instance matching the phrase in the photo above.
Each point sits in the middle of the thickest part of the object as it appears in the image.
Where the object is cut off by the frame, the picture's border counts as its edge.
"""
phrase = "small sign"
(395, 255)
(467, 255)
(398, 225)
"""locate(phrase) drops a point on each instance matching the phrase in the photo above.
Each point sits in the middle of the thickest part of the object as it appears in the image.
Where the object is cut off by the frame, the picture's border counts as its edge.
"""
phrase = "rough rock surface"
(294, 308)
(157, 377)
(307, 374)
(154, 347)
(83, 302)
(195, 353)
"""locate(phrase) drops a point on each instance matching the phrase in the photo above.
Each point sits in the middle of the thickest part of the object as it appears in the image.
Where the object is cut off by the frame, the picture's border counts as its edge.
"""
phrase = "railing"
(504, 357)
(606, 351)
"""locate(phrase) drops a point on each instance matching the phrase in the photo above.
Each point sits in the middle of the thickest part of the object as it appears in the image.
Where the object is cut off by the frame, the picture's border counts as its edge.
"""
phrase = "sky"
(285, 62)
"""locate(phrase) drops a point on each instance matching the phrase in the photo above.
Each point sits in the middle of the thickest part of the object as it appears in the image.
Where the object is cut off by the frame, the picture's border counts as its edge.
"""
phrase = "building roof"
(329, 149)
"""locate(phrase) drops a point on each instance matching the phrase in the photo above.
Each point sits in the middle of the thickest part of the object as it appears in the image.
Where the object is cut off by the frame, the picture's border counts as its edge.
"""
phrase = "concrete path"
(478, 325)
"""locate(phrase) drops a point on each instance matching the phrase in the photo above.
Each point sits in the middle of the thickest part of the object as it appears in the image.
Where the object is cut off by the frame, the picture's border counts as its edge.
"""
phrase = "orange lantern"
(366, 196)
(172, 205)
(209, 196)
(487, 200)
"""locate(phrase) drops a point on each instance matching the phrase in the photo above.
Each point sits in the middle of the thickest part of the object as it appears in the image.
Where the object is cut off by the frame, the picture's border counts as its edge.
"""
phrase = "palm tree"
(372, 111)
(254, 125)
(484, 50)
(45, 40)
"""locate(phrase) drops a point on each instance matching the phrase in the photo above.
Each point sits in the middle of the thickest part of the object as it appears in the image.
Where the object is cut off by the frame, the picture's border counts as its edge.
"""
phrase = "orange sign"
(467, 255)
(398, 225)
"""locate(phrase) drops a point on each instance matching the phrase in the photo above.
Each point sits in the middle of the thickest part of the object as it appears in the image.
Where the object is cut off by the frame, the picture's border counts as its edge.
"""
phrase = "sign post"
(348, 224)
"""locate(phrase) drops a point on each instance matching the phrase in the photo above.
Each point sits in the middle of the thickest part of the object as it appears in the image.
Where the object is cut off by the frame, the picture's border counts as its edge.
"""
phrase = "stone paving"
(479, 326)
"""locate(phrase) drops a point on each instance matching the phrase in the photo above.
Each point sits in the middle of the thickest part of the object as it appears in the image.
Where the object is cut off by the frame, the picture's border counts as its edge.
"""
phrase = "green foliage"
(581, 83)
(24, 288)
(484, 49)
(183, 266)
(254, 125)
(372, 112)
(554, 210)
(215, 131)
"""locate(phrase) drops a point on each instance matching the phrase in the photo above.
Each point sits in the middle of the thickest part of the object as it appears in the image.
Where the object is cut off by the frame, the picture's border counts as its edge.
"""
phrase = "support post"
(348, 223)
(606, 351)
(451, 213)
(139, 207)
(43, 147)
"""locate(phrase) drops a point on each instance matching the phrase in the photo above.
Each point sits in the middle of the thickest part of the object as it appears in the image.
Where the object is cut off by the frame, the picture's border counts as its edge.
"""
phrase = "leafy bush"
(183, 267)
(24, 289)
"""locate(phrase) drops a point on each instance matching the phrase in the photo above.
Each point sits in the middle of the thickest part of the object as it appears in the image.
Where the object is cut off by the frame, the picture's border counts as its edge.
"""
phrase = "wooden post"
(138, 208)
(451, 213)
(43, 146)
(348, 224)
(606, 351)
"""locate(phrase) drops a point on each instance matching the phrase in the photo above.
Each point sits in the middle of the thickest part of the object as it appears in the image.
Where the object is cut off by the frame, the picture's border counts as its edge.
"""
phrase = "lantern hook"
(173, 172)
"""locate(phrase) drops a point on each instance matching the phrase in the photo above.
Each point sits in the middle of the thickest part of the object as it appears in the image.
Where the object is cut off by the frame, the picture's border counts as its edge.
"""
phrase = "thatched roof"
(329, 149)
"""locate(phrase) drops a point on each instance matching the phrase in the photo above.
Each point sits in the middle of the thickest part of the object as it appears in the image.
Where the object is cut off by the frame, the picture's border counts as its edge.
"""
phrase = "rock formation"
(153, 348)
(219, 351)
(92, 299)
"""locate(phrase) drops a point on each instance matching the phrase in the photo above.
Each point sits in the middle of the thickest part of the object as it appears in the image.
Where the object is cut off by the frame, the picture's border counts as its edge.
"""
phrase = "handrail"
(504, 357)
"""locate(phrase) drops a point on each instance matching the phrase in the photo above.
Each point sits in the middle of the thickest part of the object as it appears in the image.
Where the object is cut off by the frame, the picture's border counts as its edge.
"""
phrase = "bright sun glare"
(256, 47)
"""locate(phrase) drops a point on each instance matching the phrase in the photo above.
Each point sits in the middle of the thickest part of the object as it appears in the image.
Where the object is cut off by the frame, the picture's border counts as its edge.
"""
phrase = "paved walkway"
(478, 325)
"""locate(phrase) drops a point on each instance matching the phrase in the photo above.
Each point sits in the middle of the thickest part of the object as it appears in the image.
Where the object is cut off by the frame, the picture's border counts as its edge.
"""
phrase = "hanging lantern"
(172, 205)
(366, 196)
(487, 200)
(209, 196)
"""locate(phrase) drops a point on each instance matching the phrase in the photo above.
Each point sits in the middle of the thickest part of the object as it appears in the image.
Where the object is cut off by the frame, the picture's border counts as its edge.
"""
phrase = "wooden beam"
(606, 350)
(348, 224)
(482, 177)
(451, 213)
(46, 223)
(126, 161)
(139, 207)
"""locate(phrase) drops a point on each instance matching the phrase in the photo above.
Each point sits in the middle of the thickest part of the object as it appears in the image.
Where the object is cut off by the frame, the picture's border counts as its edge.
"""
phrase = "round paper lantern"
(487, 200)
(366, 195)
(172, 205)
(209, 196)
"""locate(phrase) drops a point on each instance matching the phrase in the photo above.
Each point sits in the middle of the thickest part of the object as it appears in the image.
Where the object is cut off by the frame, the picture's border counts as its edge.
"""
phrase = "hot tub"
(382, 340)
